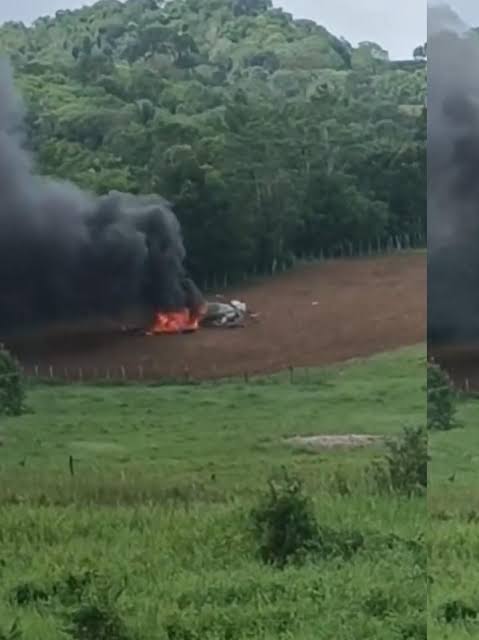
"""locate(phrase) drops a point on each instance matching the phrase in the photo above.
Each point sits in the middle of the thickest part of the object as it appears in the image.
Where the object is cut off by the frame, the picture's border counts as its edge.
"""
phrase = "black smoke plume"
(68, 255)
(453, 177)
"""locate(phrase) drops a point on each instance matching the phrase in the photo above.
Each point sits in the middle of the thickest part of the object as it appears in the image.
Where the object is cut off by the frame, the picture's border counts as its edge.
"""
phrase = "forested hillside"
(270, 136)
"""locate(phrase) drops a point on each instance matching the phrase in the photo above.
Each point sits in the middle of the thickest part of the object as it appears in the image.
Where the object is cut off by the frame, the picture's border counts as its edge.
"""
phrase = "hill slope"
(270, 135)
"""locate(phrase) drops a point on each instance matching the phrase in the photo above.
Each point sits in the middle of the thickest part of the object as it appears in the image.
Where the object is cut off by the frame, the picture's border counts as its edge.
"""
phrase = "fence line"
(379, 246)
(126, 375)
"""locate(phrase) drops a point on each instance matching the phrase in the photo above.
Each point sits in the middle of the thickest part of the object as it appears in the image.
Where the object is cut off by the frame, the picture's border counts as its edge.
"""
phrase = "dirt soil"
(315, 315)
(318, 443)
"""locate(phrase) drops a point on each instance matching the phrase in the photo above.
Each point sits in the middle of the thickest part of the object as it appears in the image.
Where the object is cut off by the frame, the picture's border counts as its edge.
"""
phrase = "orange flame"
(183, 321)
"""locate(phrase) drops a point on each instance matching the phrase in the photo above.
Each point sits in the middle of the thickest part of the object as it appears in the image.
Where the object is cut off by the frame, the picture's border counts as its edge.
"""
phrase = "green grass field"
(153, 529)
(454, 528)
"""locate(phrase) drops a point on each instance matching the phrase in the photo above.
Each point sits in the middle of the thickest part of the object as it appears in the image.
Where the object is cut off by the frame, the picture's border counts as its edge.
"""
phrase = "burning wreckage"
(225, 315)
(229, 315)
(68, 255)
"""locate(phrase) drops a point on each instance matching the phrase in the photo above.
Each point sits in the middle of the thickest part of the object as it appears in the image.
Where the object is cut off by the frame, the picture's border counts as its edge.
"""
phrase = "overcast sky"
(397, 25)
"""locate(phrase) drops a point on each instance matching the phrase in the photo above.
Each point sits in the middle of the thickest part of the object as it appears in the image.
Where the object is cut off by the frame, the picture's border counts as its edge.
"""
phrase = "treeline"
(271, 137)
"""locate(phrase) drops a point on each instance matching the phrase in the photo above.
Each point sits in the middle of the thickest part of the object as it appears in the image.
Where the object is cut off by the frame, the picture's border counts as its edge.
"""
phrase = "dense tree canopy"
(270, 136)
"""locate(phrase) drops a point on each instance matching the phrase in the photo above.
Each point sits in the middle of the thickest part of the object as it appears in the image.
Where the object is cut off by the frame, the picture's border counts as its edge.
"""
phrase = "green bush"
(404, 467)
(98, 621)
(441, 399)
(12, 391)
(284, 522)
(287, 530)
(457, 611)
(95, 614)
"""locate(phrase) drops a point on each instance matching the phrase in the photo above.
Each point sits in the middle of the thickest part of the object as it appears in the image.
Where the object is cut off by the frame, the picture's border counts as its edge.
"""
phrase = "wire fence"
(156, 376)
(401, 243)
(130, 375)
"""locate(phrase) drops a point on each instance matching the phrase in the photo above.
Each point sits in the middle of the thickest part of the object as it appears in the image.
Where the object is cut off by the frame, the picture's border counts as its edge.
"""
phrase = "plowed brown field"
(314, 315)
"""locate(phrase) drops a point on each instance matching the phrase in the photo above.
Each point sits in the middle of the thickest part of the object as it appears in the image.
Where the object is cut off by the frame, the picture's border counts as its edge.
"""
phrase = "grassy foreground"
(152, 531)
(454, 528)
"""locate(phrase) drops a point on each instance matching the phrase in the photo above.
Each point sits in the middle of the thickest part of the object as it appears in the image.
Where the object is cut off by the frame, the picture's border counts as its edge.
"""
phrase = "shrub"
(26, 594)
(96, 616)
(98, 621)
(284, 522)
(457, 611)
(12, 392)
(441, 399)
(414, 629)
(404, 468)
(287, 530)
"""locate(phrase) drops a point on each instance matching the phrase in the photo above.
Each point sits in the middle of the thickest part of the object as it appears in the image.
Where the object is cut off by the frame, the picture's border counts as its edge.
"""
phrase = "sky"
(397, 25)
